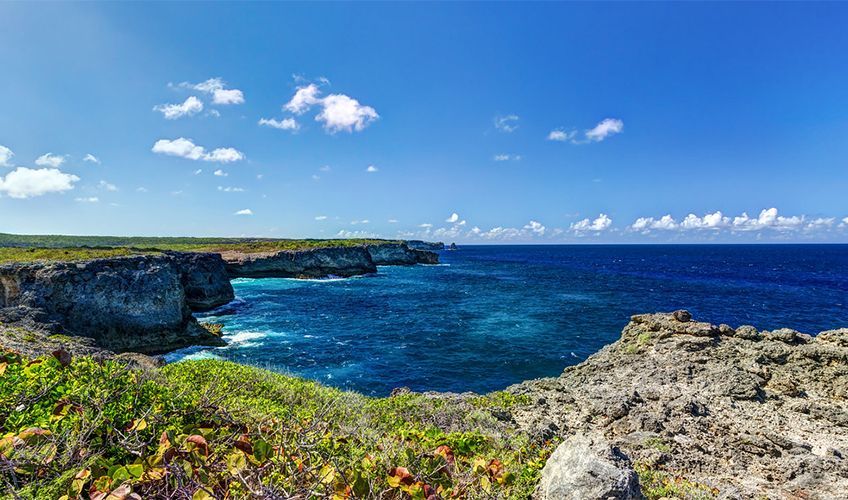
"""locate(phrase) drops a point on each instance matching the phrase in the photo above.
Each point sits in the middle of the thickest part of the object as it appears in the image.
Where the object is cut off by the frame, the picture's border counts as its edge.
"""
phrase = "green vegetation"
(32, 248)
(657, 484)
(213, 429)
(10, 254)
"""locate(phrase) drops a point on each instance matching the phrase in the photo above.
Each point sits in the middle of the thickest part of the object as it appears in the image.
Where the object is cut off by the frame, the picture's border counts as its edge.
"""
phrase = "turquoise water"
(492, 316)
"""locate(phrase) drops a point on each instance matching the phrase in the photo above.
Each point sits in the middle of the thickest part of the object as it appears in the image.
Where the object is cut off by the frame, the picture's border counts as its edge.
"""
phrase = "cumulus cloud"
(453, 218)
(343, 233)
(90, 199)
(185, 148)
(607, 127)
(6, 155)
(303, 99)
(767, 219)
(27, 183)
(371, 169)
(244, 211)
(425, 225)
(217, 88)
(50, 160)
(189, 107)
(90, 158)
(508, 123)
(535, 227)
(284, 124)
(601, 223)
(339, 112)
(561, 135)
(220, 173)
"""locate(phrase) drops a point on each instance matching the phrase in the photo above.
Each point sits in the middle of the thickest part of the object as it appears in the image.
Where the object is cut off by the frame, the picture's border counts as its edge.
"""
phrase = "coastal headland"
(676, 408)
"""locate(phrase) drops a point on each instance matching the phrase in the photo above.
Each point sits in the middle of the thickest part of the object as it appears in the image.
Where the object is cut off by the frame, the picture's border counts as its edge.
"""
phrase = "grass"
(658, 484)
(215, 429)
(35, 248)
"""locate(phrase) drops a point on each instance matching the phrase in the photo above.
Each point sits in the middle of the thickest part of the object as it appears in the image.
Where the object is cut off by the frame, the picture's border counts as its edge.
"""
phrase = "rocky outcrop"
(205, 280)
(125, 304)
(311, 263)
(716, 410)
(425, 245)
(588, 468)
(399, 254)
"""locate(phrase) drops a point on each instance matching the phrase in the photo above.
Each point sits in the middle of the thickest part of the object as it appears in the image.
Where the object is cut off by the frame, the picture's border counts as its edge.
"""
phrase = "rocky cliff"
(205, 280)
(125, 304)
(400, 254)
(425, 245)
(311, 263)
(705, 410)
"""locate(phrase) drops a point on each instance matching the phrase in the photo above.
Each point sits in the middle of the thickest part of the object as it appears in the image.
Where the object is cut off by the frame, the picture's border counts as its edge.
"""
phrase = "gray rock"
(733, 415)
(682, 315)
(587, 468)
(311, 263)
(400, 254)
(425, 245)
(133, 303)
(205, 280)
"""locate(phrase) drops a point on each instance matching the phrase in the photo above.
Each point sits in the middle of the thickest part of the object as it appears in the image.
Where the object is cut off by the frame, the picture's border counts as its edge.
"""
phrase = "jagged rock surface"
(743, 413)
(312, 263)
(205, 280)
(588, 468)
(425, 245)
(125, 304)
(400, 254)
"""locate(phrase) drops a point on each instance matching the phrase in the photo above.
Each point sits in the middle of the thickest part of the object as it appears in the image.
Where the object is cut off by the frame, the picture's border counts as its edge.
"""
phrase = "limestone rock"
(587, 468)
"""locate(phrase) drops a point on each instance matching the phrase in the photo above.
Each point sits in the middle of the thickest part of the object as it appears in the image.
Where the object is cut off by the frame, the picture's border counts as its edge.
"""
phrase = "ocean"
(491, 316)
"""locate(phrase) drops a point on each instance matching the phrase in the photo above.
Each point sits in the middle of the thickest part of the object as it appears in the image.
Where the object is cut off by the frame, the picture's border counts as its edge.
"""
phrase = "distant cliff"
(143, 303)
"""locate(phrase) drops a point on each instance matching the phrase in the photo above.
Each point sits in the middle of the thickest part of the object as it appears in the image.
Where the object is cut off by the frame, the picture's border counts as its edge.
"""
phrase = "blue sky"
(531, 122)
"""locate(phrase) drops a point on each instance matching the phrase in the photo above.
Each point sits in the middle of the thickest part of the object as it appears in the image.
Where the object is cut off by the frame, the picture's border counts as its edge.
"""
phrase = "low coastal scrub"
(79, 428)
(30, 248)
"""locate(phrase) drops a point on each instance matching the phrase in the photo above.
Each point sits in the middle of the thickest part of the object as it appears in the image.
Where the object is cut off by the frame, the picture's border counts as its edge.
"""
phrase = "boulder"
(586, 467)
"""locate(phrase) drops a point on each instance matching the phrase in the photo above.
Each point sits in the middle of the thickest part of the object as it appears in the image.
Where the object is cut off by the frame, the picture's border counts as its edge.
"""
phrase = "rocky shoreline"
(144, 303)
(712, 410)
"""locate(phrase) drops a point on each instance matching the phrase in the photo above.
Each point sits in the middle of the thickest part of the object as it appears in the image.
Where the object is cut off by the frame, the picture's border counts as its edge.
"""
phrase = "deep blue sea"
(491, 316)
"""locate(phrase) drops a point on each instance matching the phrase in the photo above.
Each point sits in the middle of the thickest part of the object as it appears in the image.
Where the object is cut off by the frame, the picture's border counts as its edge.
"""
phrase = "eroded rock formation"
(733, 412)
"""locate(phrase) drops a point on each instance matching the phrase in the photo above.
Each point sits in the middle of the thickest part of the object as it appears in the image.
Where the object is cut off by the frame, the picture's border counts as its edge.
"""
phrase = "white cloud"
(220, 173)
(338, 111)
(185, 148)
(426, 225)
(371, 169)
(768, 218)
(601, 223)
(645, 224)
(345, 113)
(607, 127)
(536, 227)
(320, 217)
(198, 171)
(820, 223)
(230, 189)
(506, 123)
(91, 159)
(217, 88)
(224, 155)
(141, 189)
(50, 160)
(284, 124)
(715, 220)
(363, 221)
(561, 135)
(845, 221)
(506, 157)
(245, 211)
(453, 218)
(27, 183)
(395, 221)
(6, 155)
(325, 168)
(189, 107)
(303, 99)
(91, 199)
(107, 186)
(604, 129)
(343, 233)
